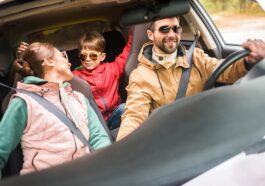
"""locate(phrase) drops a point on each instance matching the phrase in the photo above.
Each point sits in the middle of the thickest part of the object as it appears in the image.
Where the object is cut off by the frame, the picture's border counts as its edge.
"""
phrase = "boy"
(102, 77)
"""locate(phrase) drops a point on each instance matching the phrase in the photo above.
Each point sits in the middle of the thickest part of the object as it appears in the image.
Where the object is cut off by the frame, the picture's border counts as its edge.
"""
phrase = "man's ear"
(102, 57)
(48, 62)
(150, 35)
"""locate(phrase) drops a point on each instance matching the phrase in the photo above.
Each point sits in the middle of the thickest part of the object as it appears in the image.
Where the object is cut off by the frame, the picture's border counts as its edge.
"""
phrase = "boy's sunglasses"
(92, 56)
(166, 29)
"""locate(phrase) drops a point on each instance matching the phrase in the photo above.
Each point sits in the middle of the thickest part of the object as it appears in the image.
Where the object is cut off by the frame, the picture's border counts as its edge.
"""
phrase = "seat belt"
(184, 81)
(57, 112)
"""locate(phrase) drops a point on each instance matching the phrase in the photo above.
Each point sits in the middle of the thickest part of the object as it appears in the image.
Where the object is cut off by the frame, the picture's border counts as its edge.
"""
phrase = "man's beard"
(166, 47)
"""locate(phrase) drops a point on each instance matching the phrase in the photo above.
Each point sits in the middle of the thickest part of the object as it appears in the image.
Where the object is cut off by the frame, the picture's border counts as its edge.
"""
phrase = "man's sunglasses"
(166, 29)
(92, 56)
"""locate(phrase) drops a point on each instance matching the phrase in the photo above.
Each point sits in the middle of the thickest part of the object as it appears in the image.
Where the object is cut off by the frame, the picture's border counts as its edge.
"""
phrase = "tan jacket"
(152, 85)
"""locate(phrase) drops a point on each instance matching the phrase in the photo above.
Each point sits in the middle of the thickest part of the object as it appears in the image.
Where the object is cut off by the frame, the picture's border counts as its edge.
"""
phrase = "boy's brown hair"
(93, 41)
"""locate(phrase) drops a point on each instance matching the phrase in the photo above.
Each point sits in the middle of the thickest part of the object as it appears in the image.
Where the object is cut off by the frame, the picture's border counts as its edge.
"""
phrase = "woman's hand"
(21, 48)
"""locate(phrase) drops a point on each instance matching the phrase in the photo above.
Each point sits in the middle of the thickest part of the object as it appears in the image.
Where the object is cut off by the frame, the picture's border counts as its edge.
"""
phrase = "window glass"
(237, 20)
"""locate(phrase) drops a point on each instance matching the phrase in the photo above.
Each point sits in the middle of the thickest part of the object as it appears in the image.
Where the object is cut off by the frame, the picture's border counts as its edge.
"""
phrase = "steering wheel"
(229, 60)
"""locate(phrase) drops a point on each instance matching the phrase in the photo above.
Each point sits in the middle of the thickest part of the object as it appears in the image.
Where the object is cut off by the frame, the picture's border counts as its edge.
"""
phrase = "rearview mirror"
(156, 10)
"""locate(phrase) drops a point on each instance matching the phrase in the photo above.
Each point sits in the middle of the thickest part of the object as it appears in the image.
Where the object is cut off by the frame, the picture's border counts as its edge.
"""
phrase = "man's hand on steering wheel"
(257, 50)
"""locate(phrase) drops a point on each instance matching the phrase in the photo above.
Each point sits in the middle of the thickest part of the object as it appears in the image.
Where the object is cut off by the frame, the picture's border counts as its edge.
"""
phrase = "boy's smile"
(90, 59)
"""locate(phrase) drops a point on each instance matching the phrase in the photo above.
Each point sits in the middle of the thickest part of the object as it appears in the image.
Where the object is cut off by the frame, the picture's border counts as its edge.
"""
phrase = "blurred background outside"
(237, 20)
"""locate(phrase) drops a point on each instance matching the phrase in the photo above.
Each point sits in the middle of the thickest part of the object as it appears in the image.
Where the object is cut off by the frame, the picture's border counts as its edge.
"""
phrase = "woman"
(45, 140)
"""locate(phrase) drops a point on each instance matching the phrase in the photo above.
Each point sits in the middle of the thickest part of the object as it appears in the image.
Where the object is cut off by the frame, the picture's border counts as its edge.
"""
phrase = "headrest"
(139, 38)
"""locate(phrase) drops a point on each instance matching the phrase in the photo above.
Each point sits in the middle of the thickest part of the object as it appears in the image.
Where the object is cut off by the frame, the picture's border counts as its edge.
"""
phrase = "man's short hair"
(152, 24)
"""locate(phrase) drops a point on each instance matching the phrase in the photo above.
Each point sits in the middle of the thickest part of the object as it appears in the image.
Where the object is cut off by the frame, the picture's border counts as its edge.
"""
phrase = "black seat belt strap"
(184, 81)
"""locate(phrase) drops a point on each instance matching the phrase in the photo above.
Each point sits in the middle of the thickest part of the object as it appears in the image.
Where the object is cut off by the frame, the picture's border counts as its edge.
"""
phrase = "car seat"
(82, 86)
(138, 39)
(15, 161)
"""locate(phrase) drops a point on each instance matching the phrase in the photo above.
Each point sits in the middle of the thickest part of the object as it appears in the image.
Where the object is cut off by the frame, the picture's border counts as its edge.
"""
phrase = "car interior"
(67, 22)
(206, 139)
(64, 34)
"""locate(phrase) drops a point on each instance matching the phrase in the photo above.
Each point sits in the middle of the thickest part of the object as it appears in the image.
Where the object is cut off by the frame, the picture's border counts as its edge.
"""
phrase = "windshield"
(237, 20)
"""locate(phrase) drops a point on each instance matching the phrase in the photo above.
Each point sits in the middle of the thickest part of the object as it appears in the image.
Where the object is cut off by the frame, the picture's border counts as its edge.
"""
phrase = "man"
(155, 82)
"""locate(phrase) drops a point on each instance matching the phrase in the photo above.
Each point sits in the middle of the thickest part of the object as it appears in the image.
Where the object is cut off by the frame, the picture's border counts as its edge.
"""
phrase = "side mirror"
(154, 11)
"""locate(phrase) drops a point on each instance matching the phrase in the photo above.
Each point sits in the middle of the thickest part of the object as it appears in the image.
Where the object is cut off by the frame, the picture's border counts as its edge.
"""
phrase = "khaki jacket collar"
(145, 58)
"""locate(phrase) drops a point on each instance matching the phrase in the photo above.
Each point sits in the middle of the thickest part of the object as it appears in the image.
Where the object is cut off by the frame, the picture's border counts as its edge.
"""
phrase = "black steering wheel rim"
(229, 60)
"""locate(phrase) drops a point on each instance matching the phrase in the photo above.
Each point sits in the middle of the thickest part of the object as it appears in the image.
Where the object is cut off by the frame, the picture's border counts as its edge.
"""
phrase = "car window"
(237, 20)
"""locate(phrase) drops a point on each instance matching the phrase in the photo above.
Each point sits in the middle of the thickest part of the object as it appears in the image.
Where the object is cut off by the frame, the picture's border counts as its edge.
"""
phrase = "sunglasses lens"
(93, 56)
(82, 57)
(164, 29)
(177, 29)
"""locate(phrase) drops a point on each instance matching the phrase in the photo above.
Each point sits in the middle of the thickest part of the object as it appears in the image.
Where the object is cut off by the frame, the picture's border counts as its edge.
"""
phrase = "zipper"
(105, 104)
(75, 146)
(66, 113)
(32, 163)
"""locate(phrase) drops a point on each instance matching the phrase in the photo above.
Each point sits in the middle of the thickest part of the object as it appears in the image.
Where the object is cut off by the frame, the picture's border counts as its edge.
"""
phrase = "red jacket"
(104, 81)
